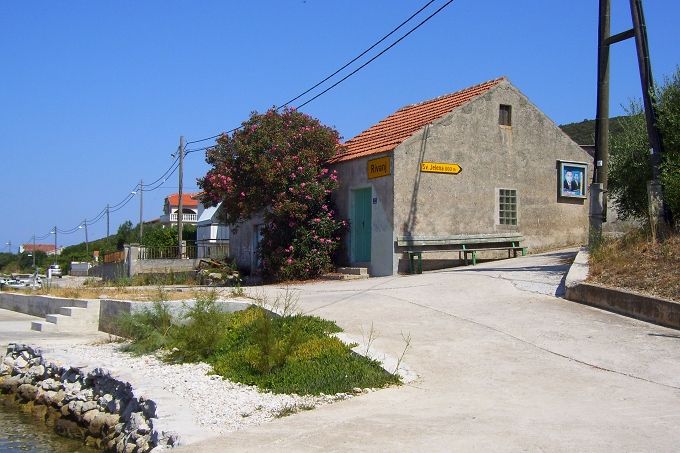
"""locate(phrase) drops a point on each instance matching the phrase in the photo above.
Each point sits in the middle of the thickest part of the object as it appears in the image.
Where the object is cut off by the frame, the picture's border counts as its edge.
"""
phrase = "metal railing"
(167, 253)
(217, 251)
(185, 217)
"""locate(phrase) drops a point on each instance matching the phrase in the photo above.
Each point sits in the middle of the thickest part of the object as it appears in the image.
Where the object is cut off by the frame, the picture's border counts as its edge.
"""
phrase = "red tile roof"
(188, 200)
(393, 130)
(47, 248)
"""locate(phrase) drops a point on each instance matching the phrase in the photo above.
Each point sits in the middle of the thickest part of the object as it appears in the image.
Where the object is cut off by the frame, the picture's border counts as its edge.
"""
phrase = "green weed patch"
(292, 353)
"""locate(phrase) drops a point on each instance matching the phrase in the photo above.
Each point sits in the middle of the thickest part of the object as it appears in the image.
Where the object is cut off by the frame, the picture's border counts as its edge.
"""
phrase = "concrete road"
(503, 365)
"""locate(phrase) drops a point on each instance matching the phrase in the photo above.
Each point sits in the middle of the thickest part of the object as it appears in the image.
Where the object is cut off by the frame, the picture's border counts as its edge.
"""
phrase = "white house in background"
(171, 208)
(212, 235)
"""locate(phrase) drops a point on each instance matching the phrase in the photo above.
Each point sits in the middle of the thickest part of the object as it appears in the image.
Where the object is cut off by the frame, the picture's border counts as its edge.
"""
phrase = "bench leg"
(474, 258)
(413, 267)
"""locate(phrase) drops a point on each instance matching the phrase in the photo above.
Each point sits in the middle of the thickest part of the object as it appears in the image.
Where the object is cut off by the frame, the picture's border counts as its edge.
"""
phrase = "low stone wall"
(646, 308)
(36, 305)
(109, 271)
(102, 411)
(110, 309)
(162, 266)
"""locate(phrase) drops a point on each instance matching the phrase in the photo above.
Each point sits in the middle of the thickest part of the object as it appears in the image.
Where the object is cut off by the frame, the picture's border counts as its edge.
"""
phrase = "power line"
(164, 174)
(376, 56)
(346, 65)
(394, 30)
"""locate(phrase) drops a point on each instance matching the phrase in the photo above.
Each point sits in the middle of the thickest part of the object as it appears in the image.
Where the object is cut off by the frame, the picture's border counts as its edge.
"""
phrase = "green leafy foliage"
(275, 165)
(583, 132)
(283, 354)
(629, 161)
(201, 332)
(148, 329)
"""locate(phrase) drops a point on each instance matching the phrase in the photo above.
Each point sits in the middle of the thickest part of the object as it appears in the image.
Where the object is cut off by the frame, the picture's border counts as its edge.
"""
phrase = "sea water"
(21, 432)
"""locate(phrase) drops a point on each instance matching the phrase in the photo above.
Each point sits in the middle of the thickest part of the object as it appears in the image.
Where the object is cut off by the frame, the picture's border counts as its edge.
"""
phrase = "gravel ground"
(208, 402)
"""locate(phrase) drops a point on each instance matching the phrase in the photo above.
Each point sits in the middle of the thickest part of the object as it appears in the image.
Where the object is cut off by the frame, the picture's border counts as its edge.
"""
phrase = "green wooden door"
(361, 225)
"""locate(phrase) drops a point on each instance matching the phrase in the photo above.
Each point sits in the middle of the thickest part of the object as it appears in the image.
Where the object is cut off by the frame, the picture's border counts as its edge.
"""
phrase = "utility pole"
(55, 244)
(180, 209)
(87, 243)
(107, 221)
(34, 251)
(658, 211)
(598, 189)
(141, 209)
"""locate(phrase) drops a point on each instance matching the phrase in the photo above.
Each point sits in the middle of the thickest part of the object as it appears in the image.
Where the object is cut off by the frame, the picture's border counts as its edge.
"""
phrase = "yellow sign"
(439, 167)
(379, 167)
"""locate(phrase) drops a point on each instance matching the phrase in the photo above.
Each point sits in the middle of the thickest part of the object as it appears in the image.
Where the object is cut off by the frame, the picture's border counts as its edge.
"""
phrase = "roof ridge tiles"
(392, 130)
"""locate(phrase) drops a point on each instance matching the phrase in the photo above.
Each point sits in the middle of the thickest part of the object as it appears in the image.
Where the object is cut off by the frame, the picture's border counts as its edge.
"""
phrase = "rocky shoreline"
(93, 406)
(130, 403)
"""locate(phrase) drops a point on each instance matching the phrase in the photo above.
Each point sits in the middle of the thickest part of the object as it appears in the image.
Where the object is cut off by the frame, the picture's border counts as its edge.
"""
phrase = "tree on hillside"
(276, 165)
(630, 167)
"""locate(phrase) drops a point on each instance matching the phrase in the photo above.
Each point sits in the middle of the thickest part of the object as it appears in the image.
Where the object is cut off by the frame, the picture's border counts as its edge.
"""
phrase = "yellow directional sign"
(440, 167)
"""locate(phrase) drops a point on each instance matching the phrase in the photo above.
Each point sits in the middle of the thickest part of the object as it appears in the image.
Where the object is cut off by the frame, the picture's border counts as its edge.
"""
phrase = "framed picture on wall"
(573, 177)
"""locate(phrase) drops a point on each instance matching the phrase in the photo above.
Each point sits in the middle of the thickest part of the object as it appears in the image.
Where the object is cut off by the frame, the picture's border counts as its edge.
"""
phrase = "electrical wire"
(376, 56)
(174, 165)
(164, 174)
(394, 30)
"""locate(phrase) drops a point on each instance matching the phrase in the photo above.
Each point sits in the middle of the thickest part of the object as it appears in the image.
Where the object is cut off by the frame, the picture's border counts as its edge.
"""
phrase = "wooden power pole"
(180, 209)
(598, 194)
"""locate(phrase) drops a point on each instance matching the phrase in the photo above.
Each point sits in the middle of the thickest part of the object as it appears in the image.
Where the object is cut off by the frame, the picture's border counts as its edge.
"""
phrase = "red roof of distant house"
(188, 200)
(393, 130)
(47, 248)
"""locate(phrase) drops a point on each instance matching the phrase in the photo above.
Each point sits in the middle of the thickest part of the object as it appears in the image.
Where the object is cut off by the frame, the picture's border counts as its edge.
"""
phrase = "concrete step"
(80, 313)
(70, 324)
(43, 326)
(340, 276)
(84, 303)
(353, 271)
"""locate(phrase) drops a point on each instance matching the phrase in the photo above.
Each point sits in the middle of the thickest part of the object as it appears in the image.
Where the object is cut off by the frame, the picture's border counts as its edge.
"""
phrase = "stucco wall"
(353, 175)
(523, 156)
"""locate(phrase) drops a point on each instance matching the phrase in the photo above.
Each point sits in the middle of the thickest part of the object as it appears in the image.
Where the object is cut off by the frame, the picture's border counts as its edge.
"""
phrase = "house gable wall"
(523, 156)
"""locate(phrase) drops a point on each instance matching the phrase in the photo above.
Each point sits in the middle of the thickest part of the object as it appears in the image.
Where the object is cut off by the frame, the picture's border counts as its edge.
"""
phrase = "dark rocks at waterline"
(98, 409)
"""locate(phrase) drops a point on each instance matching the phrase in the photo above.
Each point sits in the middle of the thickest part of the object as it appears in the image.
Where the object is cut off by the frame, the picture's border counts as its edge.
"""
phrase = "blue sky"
(94, 95)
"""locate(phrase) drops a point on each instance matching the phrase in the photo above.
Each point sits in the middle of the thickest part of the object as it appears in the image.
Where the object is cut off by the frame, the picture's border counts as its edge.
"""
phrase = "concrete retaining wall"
(659, 311)
(110, 309)
(37, 305)
(163, 266)
(646, 308)
(109, 271)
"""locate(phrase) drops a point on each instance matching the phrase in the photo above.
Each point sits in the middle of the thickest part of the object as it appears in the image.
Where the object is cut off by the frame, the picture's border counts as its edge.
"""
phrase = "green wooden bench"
(467, 246)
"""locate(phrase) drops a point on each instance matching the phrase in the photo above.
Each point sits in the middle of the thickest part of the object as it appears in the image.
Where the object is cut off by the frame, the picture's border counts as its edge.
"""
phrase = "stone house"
(482, 161)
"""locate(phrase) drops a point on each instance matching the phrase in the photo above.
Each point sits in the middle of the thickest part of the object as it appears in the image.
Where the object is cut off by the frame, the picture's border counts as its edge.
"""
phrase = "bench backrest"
(463, 239)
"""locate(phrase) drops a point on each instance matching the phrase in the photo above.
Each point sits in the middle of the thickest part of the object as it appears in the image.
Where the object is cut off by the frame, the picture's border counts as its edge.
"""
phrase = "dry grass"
(634, 262)
(136, 294)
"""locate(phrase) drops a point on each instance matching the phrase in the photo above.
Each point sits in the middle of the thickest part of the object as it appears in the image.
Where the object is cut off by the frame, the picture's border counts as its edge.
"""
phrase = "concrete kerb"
(628, 303)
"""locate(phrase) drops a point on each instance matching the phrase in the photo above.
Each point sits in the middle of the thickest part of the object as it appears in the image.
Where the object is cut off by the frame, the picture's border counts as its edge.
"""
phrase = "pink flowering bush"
(276, 164)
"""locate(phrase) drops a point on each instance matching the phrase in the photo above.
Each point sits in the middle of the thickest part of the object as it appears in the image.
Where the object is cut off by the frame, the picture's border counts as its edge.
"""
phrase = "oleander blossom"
(276, 165)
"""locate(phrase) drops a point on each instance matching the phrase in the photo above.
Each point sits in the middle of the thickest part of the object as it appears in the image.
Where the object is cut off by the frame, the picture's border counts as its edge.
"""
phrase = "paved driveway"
(503, 365)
